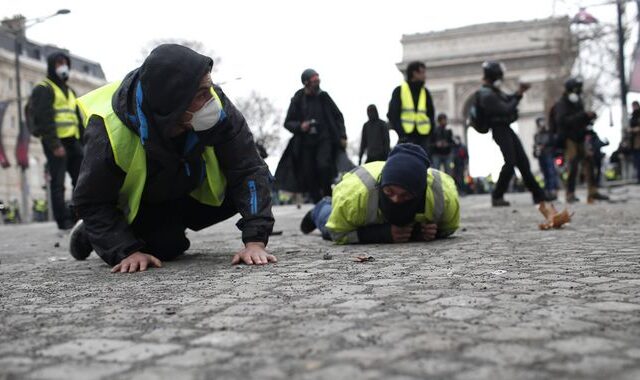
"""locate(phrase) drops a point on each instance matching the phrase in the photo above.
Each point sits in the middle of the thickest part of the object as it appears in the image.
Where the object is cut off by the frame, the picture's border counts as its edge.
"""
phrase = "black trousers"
(58, 167)
(162, 226)
(422, 140)
(514, 157)
(318, 166)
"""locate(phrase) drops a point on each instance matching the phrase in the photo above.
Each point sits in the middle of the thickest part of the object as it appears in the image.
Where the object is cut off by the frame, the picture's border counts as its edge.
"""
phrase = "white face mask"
(497, 83)
(573, 97)
(62, 72)
(207, 116)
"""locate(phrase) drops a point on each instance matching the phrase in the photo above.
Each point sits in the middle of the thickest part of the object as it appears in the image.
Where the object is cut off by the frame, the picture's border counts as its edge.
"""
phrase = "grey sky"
(354, 45)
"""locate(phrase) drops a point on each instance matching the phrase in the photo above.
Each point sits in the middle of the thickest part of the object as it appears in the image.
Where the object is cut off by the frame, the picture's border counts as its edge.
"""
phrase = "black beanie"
(406, 167)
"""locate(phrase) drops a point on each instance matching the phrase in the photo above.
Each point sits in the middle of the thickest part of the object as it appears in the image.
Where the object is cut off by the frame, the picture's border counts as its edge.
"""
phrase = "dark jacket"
(41, 104)
(395, 106)
(498, 108)
(634, 137)
(571, 119)
(445, 137)
(288, 172)
(375, 137)
(169, 168)
(543, 143)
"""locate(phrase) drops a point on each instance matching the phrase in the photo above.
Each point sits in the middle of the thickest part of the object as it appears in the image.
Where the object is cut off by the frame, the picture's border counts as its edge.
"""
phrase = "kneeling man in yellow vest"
(165, 151)
(396, 201)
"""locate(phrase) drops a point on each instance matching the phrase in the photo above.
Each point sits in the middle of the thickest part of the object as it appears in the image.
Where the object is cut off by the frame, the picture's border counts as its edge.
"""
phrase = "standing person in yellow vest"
(396, 201)
(55, 119)
(411, 111)
(169, 151)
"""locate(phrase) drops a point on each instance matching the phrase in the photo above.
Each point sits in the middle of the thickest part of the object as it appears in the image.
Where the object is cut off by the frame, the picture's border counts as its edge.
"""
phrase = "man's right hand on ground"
(401, 234)
(135, 262)
(59, 152)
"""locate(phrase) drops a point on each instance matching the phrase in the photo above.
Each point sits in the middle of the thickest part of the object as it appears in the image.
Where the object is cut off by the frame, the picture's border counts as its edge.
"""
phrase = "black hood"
(372, 113)
(169, 79)
(51, 67)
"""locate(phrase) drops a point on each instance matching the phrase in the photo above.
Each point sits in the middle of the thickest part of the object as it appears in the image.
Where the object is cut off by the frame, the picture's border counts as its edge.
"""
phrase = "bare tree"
(264, 119)
(194, 45)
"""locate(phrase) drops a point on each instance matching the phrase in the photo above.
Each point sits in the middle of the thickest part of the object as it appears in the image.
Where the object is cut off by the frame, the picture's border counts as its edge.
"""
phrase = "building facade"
(85, 75)
(540, 52)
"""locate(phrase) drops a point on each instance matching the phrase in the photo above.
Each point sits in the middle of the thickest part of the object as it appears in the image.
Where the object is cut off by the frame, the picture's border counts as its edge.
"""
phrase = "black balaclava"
(51, 68)
(406, 167)
(372, 112)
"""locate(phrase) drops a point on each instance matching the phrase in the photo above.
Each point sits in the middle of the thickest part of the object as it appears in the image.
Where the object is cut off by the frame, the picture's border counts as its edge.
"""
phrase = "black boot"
(499, 202)
(307, 225)
(79, 245)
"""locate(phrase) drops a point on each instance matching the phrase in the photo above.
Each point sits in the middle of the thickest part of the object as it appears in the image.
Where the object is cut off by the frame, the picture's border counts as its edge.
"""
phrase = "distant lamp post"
(18, 25)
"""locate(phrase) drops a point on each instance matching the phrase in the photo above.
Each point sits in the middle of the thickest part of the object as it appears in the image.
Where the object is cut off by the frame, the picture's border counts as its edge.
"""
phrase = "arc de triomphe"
(540, 52)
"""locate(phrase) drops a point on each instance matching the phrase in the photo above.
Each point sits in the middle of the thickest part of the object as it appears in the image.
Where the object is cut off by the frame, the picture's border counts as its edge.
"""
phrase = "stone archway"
(540, 52)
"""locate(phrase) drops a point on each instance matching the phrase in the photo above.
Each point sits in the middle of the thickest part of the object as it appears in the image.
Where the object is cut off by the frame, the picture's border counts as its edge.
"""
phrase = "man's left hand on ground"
(429, 231)
(253, 253)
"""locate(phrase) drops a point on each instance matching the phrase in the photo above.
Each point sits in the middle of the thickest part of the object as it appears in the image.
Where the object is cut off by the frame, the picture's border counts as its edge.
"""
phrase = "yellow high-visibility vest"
(64, 108)
(410, 117)
(129, 154)
(355, 203)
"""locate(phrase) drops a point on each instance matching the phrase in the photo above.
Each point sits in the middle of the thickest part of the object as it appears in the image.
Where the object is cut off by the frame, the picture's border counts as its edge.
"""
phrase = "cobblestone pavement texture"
(500, 300)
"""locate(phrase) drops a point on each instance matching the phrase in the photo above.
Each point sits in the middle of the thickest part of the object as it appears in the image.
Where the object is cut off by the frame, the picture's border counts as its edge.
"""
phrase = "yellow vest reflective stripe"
(410, 117)
(64, 109)
(438, 196)
(130, 156)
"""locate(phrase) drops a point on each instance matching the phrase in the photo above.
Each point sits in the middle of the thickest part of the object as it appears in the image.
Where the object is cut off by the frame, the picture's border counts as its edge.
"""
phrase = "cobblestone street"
(499, 300)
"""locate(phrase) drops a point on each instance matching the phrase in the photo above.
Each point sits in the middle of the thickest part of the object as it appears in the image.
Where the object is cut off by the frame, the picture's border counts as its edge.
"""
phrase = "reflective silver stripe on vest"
(371, 184)
(65, 110)
(65, 123)
(438, 196)
(352, 236)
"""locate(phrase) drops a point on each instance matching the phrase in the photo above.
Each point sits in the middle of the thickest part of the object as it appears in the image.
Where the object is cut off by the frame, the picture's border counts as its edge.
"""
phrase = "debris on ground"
(56, 245)
(54, 259)
(327, 256)
(553, 218)
(363, 258)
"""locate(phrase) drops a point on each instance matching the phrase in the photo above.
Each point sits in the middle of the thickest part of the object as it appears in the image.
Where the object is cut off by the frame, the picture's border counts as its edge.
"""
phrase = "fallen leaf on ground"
(363, 258)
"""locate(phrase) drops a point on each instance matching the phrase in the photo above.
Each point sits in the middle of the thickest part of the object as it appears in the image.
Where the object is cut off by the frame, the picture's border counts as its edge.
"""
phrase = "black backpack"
(476, 118)
(29, 117)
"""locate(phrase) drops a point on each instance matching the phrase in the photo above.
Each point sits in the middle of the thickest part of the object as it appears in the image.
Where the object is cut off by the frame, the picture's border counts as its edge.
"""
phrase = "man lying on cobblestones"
(166, 151)
(396, 201)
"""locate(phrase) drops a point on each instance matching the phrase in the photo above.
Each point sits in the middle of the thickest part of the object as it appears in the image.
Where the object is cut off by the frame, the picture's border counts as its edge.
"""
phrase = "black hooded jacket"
(571, 119)
(169, 79)
(499, 109)
(395, 106)
(375, 137)
(41, 104)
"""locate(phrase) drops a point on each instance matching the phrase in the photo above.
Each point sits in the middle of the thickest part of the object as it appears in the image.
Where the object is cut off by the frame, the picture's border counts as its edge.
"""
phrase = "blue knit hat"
(406, 167)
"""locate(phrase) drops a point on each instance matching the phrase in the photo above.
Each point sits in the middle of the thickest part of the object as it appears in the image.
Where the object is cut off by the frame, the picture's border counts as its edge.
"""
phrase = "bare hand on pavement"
(135, 262)
(253, 253)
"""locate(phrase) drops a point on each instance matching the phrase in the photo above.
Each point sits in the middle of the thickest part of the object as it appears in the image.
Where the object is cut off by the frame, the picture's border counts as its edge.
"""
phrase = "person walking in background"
(308, 164)
(442, 146)
(55, 119)
(411, 111)
(460, 164)
(572, 121)
(375, 137)
(500, 110)
(544, 147)
(634, 134)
